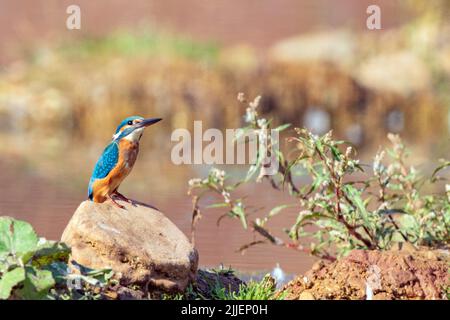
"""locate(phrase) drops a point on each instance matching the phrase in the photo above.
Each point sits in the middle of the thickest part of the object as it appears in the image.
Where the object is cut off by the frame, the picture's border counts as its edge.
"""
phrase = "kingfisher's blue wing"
(104, 165)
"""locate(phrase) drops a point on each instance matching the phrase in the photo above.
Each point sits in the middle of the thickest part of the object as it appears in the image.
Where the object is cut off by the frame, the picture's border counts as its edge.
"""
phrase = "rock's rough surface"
(139, 243)
(398, 274)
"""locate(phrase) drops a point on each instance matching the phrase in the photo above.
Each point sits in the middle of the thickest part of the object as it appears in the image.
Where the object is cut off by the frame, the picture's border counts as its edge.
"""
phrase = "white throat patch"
(135, 136)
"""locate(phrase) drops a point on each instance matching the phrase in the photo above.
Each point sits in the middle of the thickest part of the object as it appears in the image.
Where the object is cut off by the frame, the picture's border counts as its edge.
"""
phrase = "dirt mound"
(206, 281)
(400, 274)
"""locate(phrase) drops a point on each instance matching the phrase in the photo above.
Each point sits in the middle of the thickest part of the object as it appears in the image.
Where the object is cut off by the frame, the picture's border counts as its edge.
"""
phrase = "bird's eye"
(130, 123)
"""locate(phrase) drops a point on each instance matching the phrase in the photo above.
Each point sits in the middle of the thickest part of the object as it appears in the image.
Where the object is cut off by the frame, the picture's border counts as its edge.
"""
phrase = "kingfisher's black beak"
(147, 122)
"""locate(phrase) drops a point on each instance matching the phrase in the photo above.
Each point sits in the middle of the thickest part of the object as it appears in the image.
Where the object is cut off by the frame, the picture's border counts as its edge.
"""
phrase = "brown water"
(48, 206)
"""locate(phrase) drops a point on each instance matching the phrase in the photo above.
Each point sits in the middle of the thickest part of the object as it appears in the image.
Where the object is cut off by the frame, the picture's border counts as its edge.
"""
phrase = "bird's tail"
(90, 189)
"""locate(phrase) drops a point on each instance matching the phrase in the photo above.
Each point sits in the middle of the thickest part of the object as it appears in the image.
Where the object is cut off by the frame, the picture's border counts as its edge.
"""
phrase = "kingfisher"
(117, 160)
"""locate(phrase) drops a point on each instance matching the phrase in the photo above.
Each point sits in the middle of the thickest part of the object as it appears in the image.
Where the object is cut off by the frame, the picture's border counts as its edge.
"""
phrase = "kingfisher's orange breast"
(128, 152)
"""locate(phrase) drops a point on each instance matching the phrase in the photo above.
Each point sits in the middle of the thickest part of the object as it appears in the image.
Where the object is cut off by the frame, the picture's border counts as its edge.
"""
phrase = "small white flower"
(377, 165)
(250, 115)
(195, 182)
(255, 103)
(325, 183)
(348, 151)
(262, 123)
(303, 213)
(327, 137)
(226, 195)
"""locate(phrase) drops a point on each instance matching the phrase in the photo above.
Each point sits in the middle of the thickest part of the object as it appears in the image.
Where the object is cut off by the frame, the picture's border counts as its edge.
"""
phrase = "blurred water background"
(62, 93)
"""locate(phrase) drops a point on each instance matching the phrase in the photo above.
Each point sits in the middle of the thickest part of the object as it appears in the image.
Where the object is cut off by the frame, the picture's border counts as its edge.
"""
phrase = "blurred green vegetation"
(147, 42)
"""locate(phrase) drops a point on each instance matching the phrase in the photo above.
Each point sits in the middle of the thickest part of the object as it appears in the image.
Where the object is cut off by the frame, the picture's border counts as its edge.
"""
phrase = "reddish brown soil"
(203, 285)
(206, 280)
(399, 274)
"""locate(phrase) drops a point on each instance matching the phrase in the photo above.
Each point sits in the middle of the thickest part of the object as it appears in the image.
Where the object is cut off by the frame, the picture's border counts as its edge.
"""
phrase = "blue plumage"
(104, 165)
(127, 122)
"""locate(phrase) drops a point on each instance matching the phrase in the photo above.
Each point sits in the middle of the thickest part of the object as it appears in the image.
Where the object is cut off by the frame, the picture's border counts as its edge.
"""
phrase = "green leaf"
(441, 167)
(59, 271)
(49, 252)
(102, 275)
(303, 219)
(239, 211)
(319, 146)
(280, 156)
(254, 167)
(37, 283)
(282, 127)
(336, 153)
(9, 280)
(313, 216)
(277, 209)
(4, 265)
(317, 182)
(62, 273)
(217, 205)
(291, 165)
(8, 262)
(409, 222)
(355, 196)
(16, 236)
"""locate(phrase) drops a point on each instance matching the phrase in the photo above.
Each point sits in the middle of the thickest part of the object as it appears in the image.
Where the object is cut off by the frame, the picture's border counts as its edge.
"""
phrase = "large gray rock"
(139, 243)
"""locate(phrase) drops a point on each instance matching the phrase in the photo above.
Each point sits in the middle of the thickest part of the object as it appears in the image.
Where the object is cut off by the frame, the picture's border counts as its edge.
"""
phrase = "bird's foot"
(122, 197)
(114, 202)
